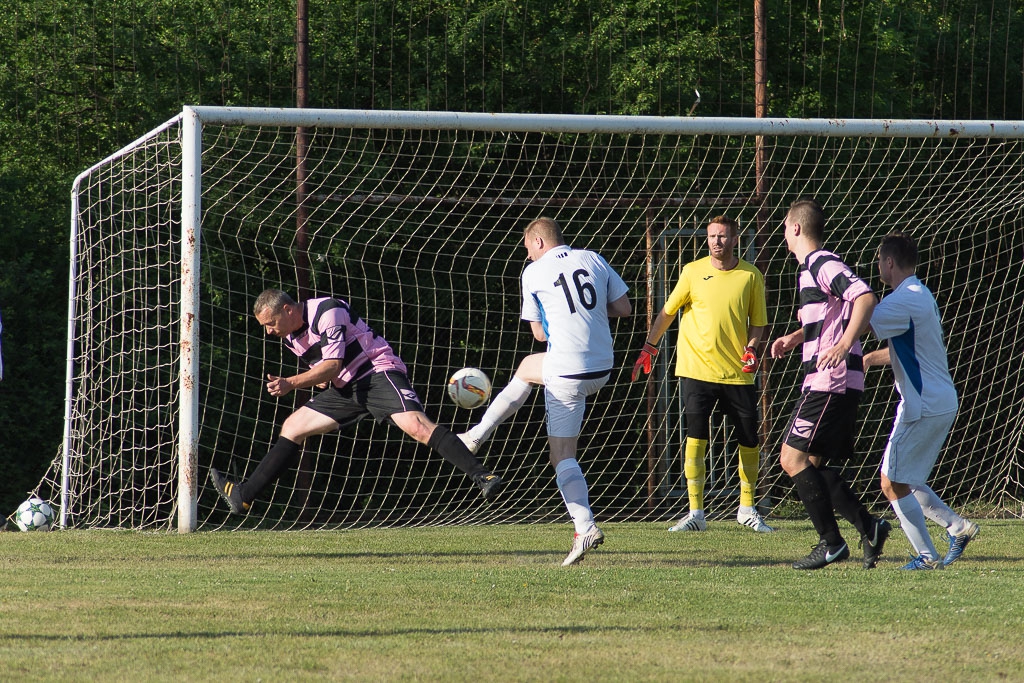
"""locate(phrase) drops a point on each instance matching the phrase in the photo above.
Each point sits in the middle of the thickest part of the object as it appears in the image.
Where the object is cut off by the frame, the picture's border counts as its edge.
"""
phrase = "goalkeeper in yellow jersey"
(720, 299)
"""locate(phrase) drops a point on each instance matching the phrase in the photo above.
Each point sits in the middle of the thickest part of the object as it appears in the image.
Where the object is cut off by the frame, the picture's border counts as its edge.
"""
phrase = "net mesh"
(420, 230)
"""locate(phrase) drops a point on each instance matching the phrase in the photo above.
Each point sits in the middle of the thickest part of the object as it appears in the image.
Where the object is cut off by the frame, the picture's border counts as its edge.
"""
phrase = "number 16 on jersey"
(584, 289)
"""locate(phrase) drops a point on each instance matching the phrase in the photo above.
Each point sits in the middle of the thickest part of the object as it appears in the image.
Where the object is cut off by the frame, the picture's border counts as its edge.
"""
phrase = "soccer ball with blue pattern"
(35, 514)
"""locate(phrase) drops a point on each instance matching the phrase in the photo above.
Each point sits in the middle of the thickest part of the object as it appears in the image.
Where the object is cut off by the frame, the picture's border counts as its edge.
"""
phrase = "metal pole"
(69, 381)
(304, 476)
(656, 410)
(761, 201)
(188, 381)
(301, 150)
(601, 123)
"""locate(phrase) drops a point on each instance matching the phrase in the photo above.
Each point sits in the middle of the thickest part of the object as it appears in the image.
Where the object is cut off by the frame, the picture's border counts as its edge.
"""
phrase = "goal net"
(416, 219)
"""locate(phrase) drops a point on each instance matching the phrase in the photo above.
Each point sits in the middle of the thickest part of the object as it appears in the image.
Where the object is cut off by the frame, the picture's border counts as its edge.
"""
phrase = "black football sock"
(451, 448)
(846, 502)
(811, 487)
(276, 461)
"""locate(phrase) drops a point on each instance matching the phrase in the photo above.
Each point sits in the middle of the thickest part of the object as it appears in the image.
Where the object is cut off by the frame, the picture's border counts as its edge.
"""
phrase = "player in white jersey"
(909, 319)
(568, 297)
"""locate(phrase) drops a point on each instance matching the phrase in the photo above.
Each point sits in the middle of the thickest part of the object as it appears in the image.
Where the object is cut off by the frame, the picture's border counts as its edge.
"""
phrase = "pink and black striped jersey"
(332, 331)
(827, 288)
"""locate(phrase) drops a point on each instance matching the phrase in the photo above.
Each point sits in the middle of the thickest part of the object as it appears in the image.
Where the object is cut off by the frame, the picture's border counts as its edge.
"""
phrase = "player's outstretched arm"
(860, 318)
(318, 374)
(783, 345)
(877, 357)
(646, 360)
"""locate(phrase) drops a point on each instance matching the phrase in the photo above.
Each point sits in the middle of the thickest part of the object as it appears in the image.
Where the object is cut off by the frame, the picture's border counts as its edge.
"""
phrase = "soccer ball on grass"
(469, 388)
(35, 514)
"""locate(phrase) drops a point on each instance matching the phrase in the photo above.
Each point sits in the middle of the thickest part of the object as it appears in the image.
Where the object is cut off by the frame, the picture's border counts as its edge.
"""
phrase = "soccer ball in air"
(35, 514)
(469, 388)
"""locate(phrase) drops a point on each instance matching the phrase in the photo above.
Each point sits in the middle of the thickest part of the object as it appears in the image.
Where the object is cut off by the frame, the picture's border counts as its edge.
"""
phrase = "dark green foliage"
(79, 79)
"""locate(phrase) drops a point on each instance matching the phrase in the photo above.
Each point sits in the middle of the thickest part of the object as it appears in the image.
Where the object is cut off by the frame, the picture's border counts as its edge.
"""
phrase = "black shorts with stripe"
(379, 395)
(824, 424)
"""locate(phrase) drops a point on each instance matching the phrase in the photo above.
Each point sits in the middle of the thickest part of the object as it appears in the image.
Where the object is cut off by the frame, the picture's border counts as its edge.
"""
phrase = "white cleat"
(581, 543)
(691, 522)
(472, 444)
(754, 521)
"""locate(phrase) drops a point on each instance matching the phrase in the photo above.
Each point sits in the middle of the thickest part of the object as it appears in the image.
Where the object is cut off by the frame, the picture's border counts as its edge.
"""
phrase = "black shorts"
(738, 401)
(824, 424)
(379, 395)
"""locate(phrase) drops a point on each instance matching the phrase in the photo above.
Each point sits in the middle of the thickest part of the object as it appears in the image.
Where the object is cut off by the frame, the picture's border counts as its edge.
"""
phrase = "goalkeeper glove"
(749, 360)
(644, 362)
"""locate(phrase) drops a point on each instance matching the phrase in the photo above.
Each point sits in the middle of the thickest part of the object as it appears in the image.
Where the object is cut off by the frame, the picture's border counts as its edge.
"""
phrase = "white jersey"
(568, 290)
(909, 319)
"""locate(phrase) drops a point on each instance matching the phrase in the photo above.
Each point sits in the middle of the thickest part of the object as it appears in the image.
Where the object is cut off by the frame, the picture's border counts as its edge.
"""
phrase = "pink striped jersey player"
(835, 308)
(360, 376)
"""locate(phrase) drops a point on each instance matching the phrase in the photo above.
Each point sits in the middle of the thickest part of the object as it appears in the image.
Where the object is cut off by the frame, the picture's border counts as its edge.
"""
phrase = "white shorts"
(914, 447)
(566, 400)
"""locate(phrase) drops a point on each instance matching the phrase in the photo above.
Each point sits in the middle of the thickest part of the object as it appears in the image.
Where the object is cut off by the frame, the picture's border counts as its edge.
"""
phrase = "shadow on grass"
(333, 633)
(618, 558)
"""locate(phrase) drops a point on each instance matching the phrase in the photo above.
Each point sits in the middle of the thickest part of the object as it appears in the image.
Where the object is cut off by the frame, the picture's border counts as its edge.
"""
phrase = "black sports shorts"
(824, 424)
(738, 401)
(379, 395)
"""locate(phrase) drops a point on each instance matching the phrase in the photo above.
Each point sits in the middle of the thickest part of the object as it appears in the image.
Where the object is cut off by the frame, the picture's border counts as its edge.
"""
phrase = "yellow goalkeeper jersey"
(716, 307)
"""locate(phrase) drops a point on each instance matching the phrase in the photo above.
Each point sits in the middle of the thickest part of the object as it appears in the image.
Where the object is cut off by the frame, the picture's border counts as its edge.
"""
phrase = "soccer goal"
(416, 219)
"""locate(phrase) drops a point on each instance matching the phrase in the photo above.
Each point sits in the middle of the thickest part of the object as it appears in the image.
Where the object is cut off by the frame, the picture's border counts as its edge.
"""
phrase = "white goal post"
(416, 219)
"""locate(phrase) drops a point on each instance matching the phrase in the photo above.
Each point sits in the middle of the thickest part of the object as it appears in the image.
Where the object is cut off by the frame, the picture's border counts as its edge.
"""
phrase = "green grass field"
(492, 603)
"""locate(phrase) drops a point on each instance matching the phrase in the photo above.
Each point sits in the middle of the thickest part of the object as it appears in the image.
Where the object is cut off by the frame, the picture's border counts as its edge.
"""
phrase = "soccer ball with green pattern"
(35, 514)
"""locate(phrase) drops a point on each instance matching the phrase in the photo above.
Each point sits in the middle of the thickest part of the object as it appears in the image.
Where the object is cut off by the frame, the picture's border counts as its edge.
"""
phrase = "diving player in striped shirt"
(835, 307)
(568, 297)
(361, 376)
(909, 319)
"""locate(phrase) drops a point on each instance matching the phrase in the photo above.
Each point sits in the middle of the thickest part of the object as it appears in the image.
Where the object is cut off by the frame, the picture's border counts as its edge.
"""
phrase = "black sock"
(810, 485)
(846, 502)
(276, 461)
(451, 448)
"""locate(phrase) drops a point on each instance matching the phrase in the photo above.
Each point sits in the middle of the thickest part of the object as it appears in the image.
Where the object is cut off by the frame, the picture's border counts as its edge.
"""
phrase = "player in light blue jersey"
(909, 319)
(569, 295)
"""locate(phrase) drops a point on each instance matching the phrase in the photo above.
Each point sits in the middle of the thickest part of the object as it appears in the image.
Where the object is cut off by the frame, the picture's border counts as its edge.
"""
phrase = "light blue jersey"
(909, 319)
(568, 291)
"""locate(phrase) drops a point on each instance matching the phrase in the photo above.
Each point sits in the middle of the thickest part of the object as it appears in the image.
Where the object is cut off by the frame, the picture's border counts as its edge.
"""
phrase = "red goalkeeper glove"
(644, 362)
(749, 360)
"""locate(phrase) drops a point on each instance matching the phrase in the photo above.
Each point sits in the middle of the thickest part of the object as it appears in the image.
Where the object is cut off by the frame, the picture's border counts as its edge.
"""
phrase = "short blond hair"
(547, 229)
